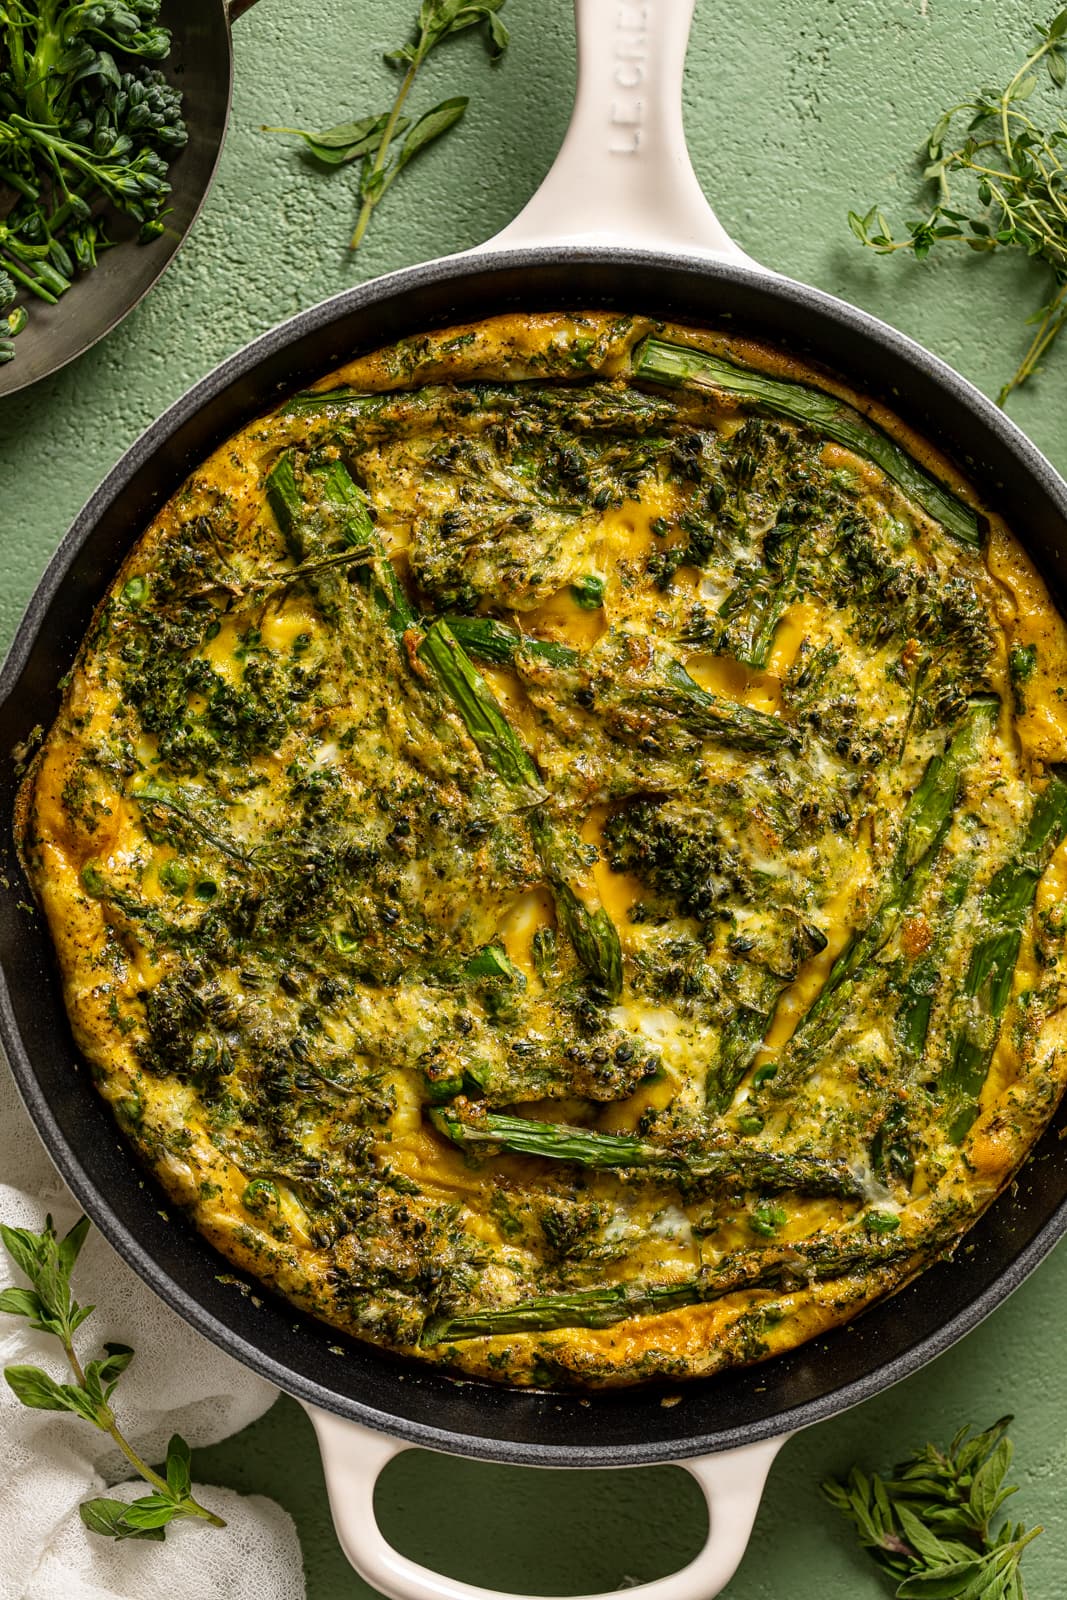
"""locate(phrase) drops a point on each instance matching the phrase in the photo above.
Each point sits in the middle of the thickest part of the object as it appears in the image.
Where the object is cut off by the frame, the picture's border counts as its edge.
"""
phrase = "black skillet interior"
(302, 1356)
(201, 65)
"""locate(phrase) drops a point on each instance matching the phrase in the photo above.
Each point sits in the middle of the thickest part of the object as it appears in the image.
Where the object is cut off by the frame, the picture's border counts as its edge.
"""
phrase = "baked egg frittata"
(555, 847)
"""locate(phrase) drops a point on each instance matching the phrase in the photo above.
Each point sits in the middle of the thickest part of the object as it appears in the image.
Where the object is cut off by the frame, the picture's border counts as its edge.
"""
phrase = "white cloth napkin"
(176, 1383)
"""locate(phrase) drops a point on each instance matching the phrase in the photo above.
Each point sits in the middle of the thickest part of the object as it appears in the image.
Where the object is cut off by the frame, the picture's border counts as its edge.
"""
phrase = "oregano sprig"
(48, 1303)
(932, 1526)
(372, 140)
(1014, 172)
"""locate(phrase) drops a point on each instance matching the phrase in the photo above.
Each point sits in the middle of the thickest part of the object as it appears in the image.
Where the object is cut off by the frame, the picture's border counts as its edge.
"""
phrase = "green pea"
(767, 1218)
(259, 1196)
(589, 592)
(174, 875)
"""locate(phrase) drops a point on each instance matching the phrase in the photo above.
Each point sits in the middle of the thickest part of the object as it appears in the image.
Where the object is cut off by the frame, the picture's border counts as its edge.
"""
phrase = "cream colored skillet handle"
(353, 1457)
(623, 174)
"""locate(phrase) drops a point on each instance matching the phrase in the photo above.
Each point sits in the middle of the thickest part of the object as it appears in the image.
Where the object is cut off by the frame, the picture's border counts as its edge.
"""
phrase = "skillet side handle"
(623, 175)
(353, 1457)
(237, 8)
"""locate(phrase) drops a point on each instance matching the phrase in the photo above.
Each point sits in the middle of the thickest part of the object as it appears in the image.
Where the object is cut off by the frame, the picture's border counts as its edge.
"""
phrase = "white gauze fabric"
(176, 1383)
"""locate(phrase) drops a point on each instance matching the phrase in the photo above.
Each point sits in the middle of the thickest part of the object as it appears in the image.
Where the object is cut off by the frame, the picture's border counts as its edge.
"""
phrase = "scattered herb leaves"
(47, 1261)
(931, 1526)
(386, 142)
(1016, 187)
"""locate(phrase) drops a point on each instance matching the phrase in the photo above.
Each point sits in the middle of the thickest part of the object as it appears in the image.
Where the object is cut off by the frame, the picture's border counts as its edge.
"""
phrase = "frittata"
(554, 843)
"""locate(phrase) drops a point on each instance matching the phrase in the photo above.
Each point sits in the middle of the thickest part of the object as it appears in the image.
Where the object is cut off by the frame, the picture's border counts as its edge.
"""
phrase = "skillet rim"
(141, 457)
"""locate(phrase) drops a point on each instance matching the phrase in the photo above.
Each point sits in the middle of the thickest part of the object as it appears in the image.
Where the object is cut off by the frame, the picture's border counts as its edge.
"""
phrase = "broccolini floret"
(79, 129)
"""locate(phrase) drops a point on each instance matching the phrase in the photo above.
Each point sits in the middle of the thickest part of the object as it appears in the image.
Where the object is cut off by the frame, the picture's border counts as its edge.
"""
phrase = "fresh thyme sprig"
(47, 1262)
(931, 1526)
(371, 139)
(1017, 193)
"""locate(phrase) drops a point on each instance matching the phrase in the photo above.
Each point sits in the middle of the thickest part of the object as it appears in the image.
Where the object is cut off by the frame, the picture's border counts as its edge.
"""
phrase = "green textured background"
(796, 109)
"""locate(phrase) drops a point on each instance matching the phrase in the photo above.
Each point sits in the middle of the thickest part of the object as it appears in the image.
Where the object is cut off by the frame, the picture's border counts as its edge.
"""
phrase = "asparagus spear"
(316, 510)
(683, 366)
(926, 820)
(488, 640)
(396, 413)
(590, 929)
(342, 505)
(919, 984)
(916, 982)
(831, 1257)
(675, 696)
(499, 745)
(737, 1168)
(727, 720)
(740, 1040)
(986, 988)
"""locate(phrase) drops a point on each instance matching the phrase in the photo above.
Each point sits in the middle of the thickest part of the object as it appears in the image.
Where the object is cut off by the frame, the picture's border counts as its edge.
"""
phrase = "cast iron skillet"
(201, 64)
(624, 157)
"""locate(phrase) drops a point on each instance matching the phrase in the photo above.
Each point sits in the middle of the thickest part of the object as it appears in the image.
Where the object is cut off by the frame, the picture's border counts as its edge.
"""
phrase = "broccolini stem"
(752, 611)
(472, 407)
(684, 366)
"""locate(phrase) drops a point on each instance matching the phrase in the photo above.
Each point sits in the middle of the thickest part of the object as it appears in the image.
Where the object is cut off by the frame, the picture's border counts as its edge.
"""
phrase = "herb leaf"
(50, 1307)
(35, 1388)
(20, 1303)
(1016, 188)
(179, 1466)
(110, 1517)
(345, 142)
(430, 126)
(907, 1522)
(47, 1261)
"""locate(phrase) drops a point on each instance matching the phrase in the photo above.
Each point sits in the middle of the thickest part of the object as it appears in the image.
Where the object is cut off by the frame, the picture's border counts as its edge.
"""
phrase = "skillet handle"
(353, 1457)
(237, 8)
(623, 174)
